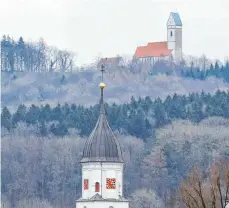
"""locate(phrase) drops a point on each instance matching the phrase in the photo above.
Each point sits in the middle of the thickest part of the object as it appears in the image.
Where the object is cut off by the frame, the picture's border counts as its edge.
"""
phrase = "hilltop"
(82, 87)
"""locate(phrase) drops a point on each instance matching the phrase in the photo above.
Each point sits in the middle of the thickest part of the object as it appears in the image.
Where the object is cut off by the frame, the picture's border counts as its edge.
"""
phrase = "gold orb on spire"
(102, 85)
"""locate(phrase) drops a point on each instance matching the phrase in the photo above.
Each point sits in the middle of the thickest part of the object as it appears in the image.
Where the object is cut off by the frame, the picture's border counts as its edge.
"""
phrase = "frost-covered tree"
(145, 198)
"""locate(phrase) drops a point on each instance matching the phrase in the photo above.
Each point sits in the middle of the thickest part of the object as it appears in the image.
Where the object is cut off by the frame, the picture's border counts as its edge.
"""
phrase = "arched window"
(97, 187)
(171, 33)
(111, 207)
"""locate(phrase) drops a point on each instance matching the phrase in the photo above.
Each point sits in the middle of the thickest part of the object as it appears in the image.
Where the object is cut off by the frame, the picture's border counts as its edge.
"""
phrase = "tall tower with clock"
(102, 166)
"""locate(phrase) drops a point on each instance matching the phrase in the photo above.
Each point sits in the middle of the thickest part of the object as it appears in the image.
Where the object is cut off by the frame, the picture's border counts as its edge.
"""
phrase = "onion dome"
(102, 145)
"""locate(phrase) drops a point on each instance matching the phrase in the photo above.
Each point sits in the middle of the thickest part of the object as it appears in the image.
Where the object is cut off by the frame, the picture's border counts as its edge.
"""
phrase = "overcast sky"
(109, 27)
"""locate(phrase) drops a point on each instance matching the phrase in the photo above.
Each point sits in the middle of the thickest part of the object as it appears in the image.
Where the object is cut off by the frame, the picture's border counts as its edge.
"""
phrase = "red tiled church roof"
(155, 49)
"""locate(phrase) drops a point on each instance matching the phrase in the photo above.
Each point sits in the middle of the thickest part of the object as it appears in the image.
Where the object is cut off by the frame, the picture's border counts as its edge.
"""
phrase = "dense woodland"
(44, 171)
(138, 118)
(200, 69)
(18, 55)
(166, 139)
(213, 70)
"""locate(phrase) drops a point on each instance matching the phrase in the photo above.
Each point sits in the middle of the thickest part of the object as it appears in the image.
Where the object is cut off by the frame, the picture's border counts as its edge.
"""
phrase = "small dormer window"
(171, 33)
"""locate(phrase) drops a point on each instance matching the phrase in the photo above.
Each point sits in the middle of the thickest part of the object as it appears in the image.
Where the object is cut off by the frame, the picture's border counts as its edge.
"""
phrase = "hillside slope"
(82, 87)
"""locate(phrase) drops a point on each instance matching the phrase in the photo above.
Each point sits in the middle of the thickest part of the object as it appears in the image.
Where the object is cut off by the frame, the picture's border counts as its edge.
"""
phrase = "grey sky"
(111, 27)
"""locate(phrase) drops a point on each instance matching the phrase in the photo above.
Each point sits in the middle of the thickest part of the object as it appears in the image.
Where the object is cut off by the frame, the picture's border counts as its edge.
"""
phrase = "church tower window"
(171, 33)
(97, 187)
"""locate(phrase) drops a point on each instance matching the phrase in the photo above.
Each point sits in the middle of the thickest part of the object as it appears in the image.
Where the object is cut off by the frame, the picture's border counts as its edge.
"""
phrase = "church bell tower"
(102, 166)
(174, 35)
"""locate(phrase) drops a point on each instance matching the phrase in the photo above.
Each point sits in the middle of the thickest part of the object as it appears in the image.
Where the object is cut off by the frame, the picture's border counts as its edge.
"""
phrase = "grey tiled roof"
(102, 145)
(98, 197)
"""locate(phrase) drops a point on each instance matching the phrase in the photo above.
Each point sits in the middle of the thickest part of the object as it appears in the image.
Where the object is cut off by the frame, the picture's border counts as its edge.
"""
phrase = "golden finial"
(102, 85)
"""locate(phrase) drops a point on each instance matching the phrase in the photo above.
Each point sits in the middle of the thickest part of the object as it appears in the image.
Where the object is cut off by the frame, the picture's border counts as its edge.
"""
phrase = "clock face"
(111, 183)
(85, 184)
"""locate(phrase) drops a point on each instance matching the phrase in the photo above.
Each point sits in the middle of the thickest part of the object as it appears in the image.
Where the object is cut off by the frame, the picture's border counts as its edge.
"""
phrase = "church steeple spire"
(102, 145)
(102, 86)
(102, 165)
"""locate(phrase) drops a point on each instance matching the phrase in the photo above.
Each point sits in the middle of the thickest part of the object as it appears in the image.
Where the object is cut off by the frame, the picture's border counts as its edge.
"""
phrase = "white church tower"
(174, 35)
(102, 166)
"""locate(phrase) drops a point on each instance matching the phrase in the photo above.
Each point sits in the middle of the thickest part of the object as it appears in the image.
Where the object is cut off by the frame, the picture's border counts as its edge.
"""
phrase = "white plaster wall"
(175, 42)
(178, 35)
(178, 49)
(98, 172)
(173, 37)
(102, 204)
(171, 40)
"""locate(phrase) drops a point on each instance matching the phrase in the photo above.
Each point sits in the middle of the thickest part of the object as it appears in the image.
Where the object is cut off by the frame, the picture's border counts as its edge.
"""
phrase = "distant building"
(155, 51)
(111, 63)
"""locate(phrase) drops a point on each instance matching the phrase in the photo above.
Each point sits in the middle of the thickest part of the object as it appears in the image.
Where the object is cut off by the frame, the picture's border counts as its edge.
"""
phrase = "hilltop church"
(102, 166)
(155, 51)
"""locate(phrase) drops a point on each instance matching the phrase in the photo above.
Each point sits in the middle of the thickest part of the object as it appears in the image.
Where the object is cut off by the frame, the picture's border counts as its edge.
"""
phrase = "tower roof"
(176, 18)
(102, 145)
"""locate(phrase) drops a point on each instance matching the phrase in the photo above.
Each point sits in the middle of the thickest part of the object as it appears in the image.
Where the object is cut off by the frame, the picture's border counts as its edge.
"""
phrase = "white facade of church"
(97, 174)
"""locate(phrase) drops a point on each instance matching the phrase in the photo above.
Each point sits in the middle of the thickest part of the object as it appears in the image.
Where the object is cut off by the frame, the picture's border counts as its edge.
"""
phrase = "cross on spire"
(102, 70)
(102, 85)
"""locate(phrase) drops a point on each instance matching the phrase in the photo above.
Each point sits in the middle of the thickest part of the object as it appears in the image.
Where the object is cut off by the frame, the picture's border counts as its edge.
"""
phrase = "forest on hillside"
(18, 55)
(44, 171)
(173, 129)
(162, 142)
(36, 73)
(139, 118)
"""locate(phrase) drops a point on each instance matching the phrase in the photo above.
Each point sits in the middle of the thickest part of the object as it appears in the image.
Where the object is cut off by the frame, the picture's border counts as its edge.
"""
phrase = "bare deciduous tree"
(33, 56)
(199, 191)
(52, 64)
(203, 62)
(65, 61)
